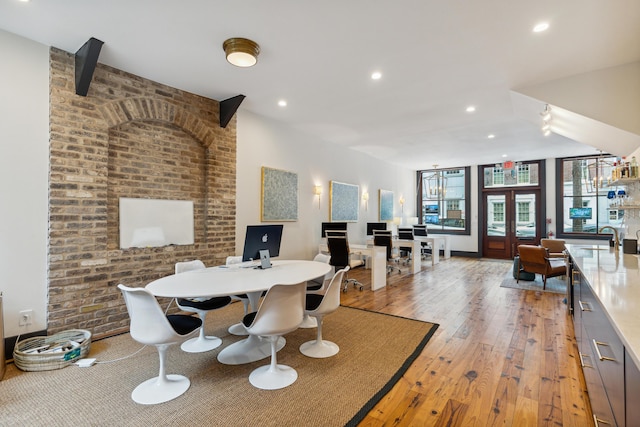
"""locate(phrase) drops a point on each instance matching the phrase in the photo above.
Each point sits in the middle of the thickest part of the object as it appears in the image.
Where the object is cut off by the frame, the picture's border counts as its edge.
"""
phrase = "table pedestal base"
(248, 350)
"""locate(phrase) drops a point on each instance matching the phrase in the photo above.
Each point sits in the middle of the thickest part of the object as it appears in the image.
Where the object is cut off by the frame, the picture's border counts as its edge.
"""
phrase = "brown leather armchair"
(535, 259)
(556, 247)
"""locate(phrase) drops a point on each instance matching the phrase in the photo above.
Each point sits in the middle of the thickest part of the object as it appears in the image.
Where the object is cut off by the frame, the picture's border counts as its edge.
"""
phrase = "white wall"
(610, 95)
(264, 142)
(24, 156)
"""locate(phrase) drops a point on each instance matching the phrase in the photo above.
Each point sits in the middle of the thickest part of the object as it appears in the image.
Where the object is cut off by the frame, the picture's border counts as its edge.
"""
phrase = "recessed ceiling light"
(282, 103)
(471, 109)
(543, 26)
(376, 75)
(504, 155)
(491, 136)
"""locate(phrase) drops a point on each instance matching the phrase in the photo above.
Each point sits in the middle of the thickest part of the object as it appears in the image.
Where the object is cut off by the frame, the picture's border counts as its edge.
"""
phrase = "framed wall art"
(279, 195)
(385, 200)
(343, 202)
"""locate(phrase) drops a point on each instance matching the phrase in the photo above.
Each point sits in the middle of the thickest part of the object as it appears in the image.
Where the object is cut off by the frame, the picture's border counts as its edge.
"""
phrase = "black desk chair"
(405, 233)
(421, 230)
(338, 245)
(383, 238)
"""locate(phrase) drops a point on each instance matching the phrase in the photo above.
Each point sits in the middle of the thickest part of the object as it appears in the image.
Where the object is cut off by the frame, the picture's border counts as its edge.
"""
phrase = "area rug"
(556, 285)
(375, 351)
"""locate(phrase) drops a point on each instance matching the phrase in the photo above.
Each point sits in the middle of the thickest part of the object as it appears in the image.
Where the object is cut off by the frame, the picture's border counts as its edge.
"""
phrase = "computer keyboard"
(247, 264)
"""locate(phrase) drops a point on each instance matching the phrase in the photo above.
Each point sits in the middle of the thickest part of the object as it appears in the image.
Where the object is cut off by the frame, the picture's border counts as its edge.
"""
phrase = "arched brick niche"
(130, 137)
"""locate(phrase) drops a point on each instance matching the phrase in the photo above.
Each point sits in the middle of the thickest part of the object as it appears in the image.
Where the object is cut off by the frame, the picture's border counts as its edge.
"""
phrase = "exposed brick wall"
(130, 137)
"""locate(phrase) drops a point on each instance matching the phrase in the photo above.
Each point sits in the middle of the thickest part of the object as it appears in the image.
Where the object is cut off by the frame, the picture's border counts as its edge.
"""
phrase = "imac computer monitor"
(375, 226)
(341, 226)
(261, 237)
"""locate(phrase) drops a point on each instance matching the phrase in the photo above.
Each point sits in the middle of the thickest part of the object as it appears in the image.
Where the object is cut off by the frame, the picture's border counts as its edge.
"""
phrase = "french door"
(511, 218)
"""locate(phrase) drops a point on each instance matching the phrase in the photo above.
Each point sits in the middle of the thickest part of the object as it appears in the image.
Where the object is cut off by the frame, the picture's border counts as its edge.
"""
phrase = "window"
(523, 174)
(498, 176)
(498, 212)
(586, 195)
(444, 195)
(511, 174)
(523, 211)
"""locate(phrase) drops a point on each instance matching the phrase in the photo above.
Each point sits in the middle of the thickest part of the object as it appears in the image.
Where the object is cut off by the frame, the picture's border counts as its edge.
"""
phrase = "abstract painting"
(343, 202)
(386, 205)
(279, 196)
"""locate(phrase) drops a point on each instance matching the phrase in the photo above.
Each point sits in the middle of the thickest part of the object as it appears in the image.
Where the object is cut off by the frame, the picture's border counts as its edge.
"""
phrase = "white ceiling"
(437, 57)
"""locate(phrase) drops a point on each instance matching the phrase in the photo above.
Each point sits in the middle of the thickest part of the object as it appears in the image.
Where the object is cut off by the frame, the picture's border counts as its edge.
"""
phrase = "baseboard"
(10, 343)
(464, 254)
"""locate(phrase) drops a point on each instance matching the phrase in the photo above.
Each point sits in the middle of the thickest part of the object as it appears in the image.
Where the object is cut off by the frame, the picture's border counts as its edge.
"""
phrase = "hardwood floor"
(500, 356)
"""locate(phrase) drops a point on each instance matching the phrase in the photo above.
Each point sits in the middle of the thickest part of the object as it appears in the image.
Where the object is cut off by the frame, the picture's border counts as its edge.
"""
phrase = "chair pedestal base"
(159, 390)
(267, 378)
(248, 350)
(201, 344)
(319, 349)
(308, 322)
(238, 329)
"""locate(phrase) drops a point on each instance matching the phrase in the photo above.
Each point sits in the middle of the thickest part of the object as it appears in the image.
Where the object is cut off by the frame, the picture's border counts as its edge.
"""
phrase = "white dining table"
(238, 279)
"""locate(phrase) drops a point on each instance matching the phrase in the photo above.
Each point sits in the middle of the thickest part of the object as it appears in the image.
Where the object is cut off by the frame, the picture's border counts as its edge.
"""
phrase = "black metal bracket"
(228, 108)
(86, 61)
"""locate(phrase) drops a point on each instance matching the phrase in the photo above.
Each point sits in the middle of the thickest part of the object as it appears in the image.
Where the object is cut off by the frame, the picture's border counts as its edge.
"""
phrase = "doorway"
(511, 218)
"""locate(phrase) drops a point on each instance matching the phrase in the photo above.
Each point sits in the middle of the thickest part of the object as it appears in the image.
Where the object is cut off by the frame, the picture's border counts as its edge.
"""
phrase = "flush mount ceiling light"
(541, 27)
(241, 52)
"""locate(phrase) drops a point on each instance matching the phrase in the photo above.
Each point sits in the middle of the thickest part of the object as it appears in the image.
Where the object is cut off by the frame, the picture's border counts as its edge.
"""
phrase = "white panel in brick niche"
(154, 223)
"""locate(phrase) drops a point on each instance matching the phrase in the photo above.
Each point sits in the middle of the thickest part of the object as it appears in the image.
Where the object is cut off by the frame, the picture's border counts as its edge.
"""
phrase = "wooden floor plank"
(501, 356)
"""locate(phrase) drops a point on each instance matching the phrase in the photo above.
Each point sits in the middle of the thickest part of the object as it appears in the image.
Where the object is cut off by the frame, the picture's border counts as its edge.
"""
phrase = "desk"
(415, 249)
(436, 242)
(378, 258)
(233, 280)
(376, 261)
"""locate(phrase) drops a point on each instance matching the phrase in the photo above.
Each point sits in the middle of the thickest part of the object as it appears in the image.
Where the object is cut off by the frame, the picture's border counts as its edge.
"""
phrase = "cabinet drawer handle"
(597, 421)
(583, 305)
(600, 356)
(582, 356)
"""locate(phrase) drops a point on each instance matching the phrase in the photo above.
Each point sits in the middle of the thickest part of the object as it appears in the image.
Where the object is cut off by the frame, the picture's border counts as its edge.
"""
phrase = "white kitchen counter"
(614, 278)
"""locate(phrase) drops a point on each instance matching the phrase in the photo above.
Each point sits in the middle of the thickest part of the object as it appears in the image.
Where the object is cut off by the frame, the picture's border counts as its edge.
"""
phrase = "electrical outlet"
(26, 318)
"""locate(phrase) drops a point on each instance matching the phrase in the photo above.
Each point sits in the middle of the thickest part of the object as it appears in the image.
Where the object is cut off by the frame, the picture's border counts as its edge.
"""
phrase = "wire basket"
(52, 352)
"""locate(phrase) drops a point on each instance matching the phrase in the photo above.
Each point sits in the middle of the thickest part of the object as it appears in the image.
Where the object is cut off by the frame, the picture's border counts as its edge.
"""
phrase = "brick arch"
(121, 111)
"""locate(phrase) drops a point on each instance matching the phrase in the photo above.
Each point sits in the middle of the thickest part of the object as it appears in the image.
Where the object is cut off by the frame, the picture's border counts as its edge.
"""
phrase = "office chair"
(200, 306)
(280, 312)
(383, 238)
(405, 233)
(317, 286)
(317, 306)
(150, 326)
(338, 245)
(425, 248)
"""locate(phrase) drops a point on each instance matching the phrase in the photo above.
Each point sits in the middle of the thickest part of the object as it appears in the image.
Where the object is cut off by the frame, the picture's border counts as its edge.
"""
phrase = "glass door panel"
(525, 216)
